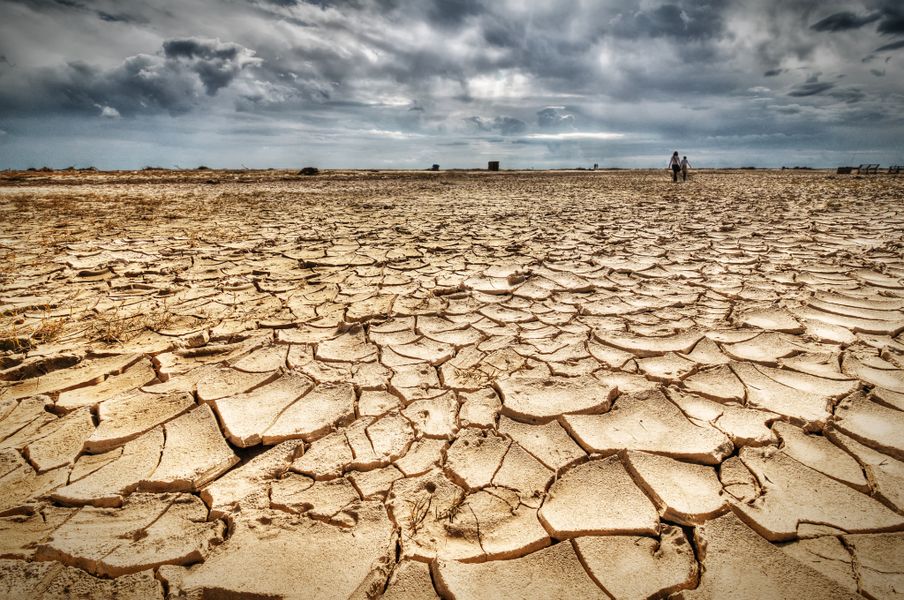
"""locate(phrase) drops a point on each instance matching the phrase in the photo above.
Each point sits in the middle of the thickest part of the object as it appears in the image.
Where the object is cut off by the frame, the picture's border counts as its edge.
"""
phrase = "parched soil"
(256, 384)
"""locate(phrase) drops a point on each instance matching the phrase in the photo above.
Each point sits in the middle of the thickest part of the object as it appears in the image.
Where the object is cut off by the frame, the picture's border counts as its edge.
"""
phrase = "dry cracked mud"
(460, 385)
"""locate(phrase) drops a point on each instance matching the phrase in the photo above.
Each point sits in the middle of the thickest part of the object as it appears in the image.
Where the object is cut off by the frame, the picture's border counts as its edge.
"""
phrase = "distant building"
(435, 167)
(493, 165)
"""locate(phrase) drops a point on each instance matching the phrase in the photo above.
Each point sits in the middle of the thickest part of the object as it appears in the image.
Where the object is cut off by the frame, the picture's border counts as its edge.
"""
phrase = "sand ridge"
(457, 384)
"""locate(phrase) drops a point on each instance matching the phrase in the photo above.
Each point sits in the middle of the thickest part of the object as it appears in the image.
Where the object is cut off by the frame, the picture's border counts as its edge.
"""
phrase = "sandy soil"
(472, 385)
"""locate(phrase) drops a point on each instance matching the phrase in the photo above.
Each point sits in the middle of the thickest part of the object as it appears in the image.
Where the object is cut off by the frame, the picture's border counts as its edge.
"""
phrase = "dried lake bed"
(253, 384)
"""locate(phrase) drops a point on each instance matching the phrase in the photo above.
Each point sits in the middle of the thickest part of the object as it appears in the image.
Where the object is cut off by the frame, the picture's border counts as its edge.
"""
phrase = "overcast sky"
(406, 83)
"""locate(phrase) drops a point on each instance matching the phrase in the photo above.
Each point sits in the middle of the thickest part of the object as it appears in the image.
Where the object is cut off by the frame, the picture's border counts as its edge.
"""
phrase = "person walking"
(675, 166)
(684, 167)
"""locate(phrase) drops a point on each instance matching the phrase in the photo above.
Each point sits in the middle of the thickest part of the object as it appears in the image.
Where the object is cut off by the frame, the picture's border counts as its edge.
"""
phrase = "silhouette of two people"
(678, 165)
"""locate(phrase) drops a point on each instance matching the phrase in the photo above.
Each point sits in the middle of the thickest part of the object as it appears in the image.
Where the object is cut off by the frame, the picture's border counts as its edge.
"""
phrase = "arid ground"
(472, 385)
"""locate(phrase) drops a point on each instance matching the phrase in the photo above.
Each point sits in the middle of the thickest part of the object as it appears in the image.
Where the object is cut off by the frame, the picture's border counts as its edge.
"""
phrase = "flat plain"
(254, 384)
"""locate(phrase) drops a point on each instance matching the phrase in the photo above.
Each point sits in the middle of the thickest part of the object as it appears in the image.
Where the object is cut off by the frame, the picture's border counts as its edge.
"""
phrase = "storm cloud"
(404, 83)
(845, 20)
(170, 81)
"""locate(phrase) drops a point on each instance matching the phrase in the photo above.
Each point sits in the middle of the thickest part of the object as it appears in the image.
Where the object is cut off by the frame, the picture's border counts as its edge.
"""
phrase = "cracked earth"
(512, 385)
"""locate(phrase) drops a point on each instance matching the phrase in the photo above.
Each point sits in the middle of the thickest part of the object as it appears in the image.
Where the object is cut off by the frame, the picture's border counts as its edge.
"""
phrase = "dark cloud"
(892, 46)
(504, 125)
(811, 88)
(168, 82)
(87, 7)
(450, 13)
(773, 72)
(555, 117)
(117, 17)
(848, 95)
(692, 20)
(216, 63)
(844, 21)
(892, 22)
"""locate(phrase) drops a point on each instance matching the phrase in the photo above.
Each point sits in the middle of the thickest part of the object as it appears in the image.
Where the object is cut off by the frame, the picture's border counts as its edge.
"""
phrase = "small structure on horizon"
(493, 165)
(844, 170)
(435, 167)
(596, 166)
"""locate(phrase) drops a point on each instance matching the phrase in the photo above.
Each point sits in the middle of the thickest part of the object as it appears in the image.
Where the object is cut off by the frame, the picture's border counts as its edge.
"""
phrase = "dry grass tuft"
(116, 329)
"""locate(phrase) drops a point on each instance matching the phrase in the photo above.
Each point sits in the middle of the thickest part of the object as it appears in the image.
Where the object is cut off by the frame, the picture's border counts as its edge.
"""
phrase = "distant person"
(684, 167)
(675, 165)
